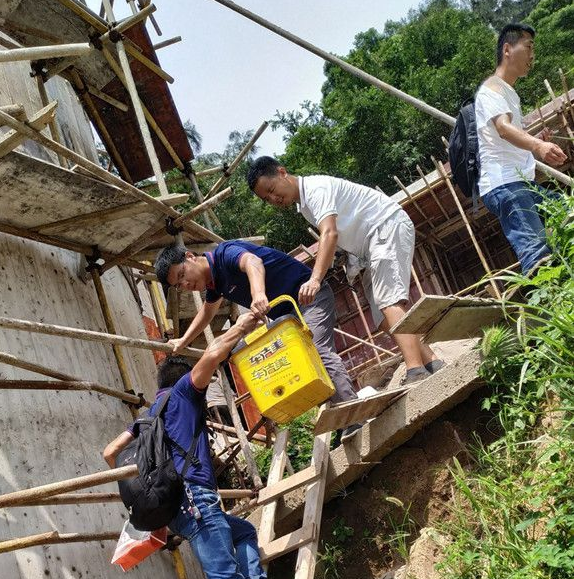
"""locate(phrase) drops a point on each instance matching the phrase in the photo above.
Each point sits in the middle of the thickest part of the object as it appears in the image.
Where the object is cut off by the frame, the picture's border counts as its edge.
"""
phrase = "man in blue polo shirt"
(252, 276)
(226, 546)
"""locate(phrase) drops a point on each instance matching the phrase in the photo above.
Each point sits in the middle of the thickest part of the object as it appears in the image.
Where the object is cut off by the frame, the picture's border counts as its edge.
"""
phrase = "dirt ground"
(358, 526)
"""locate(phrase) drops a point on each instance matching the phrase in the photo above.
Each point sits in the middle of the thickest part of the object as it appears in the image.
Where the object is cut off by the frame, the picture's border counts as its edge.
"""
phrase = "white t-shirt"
(500, 161)
(359, 209)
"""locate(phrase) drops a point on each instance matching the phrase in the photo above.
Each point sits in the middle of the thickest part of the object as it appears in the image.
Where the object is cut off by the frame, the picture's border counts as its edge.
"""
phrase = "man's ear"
(281, 171)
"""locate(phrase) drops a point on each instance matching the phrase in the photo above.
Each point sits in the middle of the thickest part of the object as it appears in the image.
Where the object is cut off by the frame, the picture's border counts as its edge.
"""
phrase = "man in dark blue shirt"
(226, 546)
(252, 276)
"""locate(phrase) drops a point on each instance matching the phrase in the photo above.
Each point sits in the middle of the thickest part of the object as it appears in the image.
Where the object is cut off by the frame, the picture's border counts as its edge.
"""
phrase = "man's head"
(516, 48)
(180, 268)
(170, 370)
(269, 180)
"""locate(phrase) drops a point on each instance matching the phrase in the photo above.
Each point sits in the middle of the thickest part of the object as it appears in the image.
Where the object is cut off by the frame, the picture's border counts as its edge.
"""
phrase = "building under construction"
(83, 316)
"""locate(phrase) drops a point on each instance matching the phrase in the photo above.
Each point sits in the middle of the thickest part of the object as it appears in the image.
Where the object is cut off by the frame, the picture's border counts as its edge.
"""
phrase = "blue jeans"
(226, 546)
(516, 206)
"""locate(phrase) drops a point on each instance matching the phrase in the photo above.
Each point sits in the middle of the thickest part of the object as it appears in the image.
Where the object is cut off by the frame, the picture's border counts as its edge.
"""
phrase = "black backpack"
(463, 152)
(154, 496)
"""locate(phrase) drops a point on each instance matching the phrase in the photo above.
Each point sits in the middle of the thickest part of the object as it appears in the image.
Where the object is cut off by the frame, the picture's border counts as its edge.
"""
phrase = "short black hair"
(171, 369)
(262, 167)
(170, 255)
(511, 34)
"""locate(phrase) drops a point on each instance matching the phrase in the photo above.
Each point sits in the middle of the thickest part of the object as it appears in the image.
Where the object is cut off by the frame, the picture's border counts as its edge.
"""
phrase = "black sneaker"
(415, 375)
(435, 366)
(349, 432)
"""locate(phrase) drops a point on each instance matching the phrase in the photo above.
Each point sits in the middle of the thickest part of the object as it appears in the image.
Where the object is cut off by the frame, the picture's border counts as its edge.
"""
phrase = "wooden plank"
(421, 317)
(266, 530)
(287, 543)
(461, 322)
(274, 491)
(315, 495)
(429, 309)
(356, 411)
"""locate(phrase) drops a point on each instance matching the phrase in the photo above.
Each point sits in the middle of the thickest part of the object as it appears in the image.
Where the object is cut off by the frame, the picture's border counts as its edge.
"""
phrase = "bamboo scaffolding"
(368, 78)
(80, 85)
(567, 101)
(73, 484)
(37, 121)
(76, 385)
(156, 232)
(231, 430)
(73, 499)
(91, 336)
(16, 110)
(200, 199)
(46, 52)
(231, 169)
(86, 250)
(118, 70)
(107, 98)
(487, 269)
(55, 538)
(364, 342)
(111, 328)
(104, 175)
(137, 106)
(431, 191)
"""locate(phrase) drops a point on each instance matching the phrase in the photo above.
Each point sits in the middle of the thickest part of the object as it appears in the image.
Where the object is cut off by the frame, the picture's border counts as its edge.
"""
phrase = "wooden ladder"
(313, 478)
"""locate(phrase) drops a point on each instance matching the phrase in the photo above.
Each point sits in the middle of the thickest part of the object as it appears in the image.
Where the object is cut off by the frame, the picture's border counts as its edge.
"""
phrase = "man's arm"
(548, 152)
(219, 349)
(253, 267)
(116, 446)
(199, 323)
(323, 261)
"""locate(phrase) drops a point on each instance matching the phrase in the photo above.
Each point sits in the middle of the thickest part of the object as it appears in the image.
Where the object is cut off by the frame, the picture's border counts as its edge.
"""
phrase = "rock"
(424, 554)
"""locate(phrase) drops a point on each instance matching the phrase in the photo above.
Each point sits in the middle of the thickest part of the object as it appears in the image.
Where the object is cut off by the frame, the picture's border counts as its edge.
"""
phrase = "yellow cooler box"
(281, 367)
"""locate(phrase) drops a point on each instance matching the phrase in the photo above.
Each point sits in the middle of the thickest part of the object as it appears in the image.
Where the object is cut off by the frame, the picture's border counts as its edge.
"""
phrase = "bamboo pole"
(17, 111)
(417, 280)
(567, 101)
(73, 484)
(442, 171)
(156, 230)
(54, 131)
(107, 98)
(210, 216)
(46, 52)
(91, 336)
(78, 82)
(74, 385)
(86, 250)
(130, 21)
(370, 79)
(231, 430)
(364, 342)
(167, 42)
(55, 538)
(137, 106)
(151, 121)
(111, 328)
(231, 169)
(431, 190)
(73, 499)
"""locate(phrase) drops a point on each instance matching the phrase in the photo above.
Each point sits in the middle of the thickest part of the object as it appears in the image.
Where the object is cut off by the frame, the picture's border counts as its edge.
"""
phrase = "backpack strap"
(190, 456)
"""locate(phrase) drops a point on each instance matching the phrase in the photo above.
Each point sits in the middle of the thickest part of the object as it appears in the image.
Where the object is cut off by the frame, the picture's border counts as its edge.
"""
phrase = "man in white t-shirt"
(364, 222)
(506, 183)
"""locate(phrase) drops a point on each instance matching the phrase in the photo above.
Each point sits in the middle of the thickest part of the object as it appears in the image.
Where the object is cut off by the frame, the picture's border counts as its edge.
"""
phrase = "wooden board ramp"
(356, 411)
(441, 318)
(306, 538)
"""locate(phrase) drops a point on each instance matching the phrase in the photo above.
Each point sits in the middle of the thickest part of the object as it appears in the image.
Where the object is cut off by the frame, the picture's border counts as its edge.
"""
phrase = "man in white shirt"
(506, 182)
(364, 222)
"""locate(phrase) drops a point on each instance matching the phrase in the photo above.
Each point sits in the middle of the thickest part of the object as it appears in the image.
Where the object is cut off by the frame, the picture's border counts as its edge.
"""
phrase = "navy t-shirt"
(283, 274)
(182, 412)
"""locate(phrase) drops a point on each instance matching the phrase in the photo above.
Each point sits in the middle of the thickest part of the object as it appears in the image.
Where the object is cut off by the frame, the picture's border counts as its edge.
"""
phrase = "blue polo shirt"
(283, 274)
(182, 412)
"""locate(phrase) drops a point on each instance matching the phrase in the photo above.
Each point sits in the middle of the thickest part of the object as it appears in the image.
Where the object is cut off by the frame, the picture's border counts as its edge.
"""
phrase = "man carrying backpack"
(506, 150)
(225, 546)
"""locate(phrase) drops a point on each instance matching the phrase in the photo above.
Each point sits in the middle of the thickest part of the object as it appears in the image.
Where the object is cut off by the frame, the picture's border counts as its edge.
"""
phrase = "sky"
(232, 74)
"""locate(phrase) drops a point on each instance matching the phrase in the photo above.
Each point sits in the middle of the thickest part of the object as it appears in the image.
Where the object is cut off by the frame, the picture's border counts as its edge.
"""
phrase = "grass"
(513, 516)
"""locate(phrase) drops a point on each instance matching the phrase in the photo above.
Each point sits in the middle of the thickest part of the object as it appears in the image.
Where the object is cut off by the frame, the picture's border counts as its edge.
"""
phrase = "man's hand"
(308, 291)
(550, 153)
(246, 322)
(259, 305)
(545, 134)
(178, 344)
